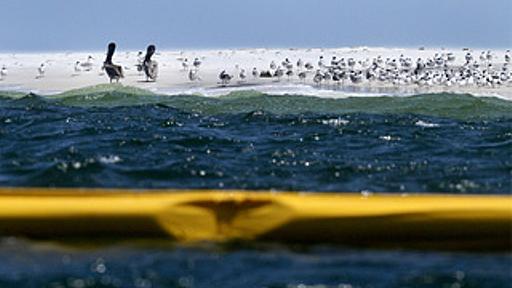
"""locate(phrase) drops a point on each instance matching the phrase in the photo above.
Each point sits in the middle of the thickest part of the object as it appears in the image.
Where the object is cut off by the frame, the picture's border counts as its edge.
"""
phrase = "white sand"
(60, 75)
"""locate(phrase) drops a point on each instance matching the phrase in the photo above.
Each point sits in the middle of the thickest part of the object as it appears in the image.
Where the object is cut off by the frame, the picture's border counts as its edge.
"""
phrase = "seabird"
(150, 66)
(266, 74)
(300, 63)
(289, 73)
(41, 70)
(114, 72)
(140, 59)
(242, 75)
(318, 77)
(197, 63)
(468, 57)
(279, 73)
(87, 65)
(302, 76)
(184, 64)
(273, 65)
(321, 61)
(77, 68)
(3, 72)
(254, 72)
(193, 75)
(225, 77)
(334, 62)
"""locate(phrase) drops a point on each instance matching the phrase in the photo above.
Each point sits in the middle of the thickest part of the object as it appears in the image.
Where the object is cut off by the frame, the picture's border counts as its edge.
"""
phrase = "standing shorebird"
(41, 70)
(77, 68)
(225, 77)
(3, 73)
(242, 75)
(279, 73)
(197, 63)
(318, 77)
(321, 63)
(300, 64)
(114, 72)
(150, 66)
(273, 65)
(302, 76)
(140, 59)
(193, 75)
(87, 65)
(184, 64)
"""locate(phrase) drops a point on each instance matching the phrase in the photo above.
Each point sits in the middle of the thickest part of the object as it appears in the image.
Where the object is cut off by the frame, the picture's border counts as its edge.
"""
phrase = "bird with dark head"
(114, 72)
(150, 66)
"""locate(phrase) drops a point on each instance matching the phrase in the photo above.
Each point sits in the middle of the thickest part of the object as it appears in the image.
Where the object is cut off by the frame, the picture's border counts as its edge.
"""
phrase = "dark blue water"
(111, 136)
(44, 265)
(430, 143)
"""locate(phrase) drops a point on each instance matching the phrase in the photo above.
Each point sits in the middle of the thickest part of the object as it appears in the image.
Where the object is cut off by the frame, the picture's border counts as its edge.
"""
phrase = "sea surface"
(117, 136)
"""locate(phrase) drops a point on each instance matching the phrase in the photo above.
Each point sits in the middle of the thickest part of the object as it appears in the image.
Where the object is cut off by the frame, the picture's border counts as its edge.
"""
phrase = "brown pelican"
(114, 72)
(150, 66)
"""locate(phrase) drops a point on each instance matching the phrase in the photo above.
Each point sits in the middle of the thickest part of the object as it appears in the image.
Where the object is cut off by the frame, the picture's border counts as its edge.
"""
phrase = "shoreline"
(60, 75)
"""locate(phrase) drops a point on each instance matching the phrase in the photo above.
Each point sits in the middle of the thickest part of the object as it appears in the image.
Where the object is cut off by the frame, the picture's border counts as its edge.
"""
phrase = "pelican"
(114, 72)
(225, 77)
(150, 66)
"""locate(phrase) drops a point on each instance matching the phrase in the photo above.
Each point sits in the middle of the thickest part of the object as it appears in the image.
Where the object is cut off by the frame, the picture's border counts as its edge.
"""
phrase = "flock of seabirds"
(436, 71)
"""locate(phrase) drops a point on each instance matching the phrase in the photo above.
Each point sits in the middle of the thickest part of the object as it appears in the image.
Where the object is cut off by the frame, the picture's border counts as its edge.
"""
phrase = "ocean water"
(116, 136)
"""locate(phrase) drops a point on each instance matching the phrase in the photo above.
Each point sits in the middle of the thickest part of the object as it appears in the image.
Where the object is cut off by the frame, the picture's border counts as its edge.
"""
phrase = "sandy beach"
(60, 74)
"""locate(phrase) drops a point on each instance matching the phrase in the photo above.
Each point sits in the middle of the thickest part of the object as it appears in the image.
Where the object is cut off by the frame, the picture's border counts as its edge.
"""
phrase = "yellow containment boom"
(389, 220)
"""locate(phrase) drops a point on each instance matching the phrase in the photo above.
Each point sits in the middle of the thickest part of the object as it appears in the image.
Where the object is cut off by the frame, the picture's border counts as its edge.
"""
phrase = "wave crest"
(450, 105)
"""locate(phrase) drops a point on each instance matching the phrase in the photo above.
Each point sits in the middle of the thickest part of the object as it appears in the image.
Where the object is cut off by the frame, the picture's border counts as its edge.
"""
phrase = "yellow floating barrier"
(388, 220)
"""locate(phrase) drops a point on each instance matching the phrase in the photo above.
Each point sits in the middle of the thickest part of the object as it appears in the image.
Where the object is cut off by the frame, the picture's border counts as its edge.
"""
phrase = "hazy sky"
(41, 25)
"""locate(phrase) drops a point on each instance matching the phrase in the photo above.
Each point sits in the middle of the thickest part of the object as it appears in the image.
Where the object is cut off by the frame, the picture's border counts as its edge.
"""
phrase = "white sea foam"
(422, 123)
(110, 159)
(335, 122)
